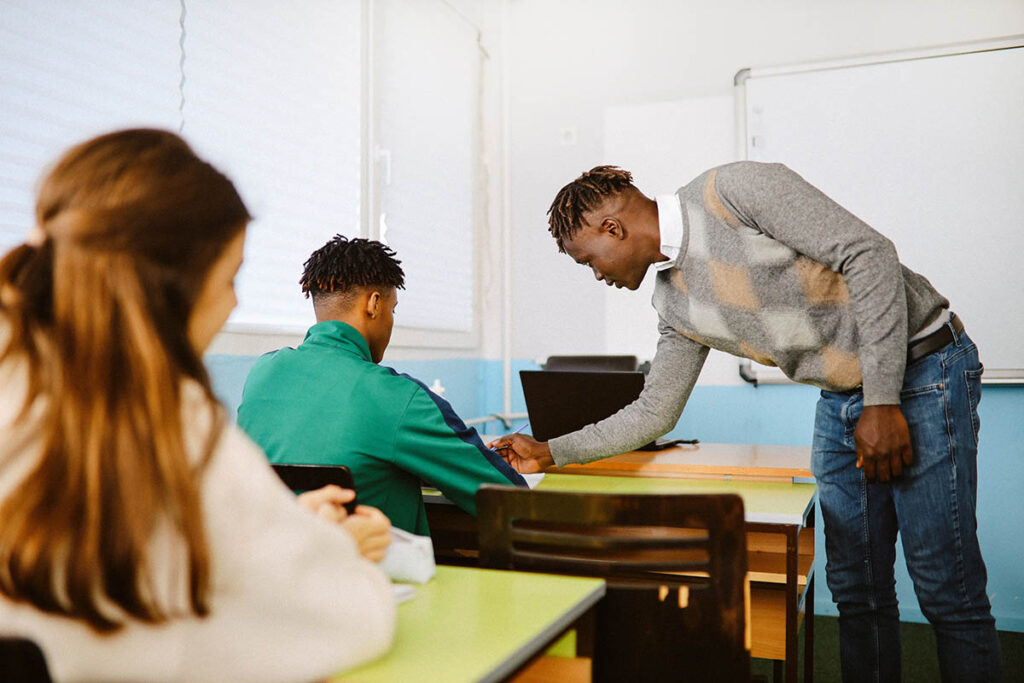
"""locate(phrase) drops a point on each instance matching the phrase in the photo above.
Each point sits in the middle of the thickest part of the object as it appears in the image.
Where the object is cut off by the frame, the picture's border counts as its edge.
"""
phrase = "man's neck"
(324, 315)
(646, 212)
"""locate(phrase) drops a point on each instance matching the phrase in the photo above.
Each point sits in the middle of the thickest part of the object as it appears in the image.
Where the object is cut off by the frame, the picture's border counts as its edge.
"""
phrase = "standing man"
(752, 260)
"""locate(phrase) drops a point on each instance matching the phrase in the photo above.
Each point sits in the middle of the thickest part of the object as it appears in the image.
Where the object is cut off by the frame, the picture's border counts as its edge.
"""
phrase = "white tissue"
(402, 592)
(409, 558)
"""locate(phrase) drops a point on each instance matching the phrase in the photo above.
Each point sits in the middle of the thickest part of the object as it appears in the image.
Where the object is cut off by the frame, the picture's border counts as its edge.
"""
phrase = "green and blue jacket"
(327, 403)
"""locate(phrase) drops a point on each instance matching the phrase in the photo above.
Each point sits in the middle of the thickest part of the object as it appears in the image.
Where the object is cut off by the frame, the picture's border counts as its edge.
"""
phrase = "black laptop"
(561, 401)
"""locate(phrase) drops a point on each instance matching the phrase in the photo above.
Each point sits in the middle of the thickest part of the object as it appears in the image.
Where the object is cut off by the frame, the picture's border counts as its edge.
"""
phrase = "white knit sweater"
(292, 600)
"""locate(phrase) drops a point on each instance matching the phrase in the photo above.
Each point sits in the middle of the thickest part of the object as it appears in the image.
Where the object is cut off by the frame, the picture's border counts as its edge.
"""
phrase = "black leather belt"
(924, 346)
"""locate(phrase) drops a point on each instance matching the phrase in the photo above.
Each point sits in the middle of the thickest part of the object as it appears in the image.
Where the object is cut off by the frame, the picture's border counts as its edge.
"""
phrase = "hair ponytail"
(99, 310)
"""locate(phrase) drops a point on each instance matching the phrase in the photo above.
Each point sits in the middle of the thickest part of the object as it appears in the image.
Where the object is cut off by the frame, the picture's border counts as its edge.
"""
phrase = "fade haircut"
(589, 191)
(344, 264)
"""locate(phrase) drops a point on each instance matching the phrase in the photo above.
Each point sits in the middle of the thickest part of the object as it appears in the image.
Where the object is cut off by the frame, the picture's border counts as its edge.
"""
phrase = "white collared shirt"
(670, 224)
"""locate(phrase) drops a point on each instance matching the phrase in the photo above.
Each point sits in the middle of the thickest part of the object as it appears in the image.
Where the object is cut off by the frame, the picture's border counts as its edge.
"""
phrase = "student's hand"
(327, 502)
(525, 454)
(883, 442)
(371, 530)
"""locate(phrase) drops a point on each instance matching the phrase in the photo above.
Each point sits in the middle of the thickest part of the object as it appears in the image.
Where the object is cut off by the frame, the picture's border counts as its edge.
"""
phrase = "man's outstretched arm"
(674, 371)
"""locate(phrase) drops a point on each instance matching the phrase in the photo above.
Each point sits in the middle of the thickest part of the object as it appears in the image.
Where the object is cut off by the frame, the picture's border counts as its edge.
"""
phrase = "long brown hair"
(129, 225)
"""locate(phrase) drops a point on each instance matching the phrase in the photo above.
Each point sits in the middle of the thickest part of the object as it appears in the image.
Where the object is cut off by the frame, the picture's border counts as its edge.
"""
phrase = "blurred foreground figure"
(142, 537)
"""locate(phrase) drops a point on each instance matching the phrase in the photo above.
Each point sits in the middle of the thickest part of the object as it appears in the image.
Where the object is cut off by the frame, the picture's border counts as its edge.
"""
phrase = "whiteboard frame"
(758, 374)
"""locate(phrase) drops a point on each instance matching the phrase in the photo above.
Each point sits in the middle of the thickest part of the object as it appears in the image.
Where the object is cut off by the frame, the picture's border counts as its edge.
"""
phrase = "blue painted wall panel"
(774, 415)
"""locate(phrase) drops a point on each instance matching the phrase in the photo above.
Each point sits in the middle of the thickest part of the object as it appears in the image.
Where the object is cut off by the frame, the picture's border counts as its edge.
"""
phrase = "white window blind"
(272, 98)
(271, 93)
(427, 87)
(72, 70)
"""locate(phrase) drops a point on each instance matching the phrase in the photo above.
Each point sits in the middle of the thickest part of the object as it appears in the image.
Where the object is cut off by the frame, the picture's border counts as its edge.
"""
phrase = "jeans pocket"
(972, 378)
(935, 388)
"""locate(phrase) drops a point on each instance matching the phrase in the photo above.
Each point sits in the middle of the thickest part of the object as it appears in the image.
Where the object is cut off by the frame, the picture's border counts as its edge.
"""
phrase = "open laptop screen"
(560, 401)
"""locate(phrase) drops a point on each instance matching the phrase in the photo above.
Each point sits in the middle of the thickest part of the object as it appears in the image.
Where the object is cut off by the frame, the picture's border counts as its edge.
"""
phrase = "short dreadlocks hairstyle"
(565, 216)
(343, 263)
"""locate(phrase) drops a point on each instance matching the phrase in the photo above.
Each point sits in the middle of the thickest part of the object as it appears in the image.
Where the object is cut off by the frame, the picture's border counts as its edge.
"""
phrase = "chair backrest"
(675, 606)
(301, 478)
(21, 660)
(309, 477)
(591, 363)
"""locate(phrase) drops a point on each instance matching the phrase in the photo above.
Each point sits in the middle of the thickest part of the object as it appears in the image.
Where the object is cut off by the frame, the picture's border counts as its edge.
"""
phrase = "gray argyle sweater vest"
(773, 270)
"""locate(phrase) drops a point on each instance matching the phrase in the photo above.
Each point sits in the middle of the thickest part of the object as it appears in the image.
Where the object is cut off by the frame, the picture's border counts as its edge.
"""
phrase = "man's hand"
(525, 454)
(883, 442)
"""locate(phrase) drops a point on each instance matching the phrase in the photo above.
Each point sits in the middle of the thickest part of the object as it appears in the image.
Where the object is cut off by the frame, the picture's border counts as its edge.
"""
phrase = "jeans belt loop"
(941, 337)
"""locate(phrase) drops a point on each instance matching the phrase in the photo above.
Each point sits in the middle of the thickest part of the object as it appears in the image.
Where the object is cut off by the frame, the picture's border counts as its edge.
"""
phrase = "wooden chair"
(676, 603)
(309, 477)
(21, 660)
(301, 478)
(591, 363)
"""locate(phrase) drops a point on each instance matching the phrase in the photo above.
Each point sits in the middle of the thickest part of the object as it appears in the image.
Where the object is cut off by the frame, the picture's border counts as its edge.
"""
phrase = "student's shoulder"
(275, 357)
(399, 382)
(267, 361)
(274, 362)
(415, 396)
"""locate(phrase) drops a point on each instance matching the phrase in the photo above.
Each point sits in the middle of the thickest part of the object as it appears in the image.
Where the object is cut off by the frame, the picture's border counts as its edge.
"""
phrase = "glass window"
(272, 94)
(72, 70)
(427, 63)
(272, 98)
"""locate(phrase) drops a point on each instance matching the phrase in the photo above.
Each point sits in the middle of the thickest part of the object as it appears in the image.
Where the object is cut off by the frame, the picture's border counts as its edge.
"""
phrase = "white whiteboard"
(929, 150)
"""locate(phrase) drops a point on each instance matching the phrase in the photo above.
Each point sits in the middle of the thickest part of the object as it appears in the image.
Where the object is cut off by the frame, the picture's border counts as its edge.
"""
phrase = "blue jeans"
(932, 506)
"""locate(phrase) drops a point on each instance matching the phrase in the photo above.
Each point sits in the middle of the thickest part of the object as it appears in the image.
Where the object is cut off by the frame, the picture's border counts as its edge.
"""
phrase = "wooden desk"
(780, 537)
(779, 514)
(471, 624)
(780, 553)
(706, 460)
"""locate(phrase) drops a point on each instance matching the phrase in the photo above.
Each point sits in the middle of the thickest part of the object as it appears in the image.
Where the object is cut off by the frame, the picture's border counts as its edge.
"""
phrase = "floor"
(919, 660)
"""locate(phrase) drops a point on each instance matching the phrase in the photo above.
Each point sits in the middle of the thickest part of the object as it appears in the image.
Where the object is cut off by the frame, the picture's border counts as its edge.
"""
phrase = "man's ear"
(373, 304)
(613, 226)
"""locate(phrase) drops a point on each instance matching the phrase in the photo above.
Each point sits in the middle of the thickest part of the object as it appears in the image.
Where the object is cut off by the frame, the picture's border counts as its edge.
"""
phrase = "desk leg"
(586, 626)
(809, 610)
(792, 603)
(809, 632)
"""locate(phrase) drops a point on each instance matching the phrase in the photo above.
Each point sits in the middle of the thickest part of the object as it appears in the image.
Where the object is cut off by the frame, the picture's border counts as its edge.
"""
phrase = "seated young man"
(329, 402)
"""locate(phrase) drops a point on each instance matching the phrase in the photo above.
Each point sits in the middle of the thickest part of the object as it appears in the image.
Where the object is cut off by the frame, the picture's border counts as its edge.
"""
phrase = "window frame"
(249, 334)
(372, 173)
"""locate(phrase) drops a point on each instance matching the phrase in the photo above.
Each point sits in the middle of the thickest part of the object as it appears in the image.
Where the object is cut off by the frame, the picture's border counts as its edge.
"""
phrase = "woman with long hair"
(143, 537)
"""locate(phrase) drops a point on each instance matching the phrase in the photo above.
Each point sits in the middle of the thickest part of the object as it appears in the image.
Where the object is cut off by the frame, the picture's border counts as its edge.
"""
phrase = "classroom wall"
(571, 60)
(773, 415)
(568, 63)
